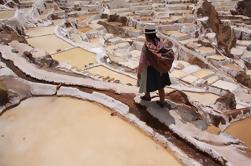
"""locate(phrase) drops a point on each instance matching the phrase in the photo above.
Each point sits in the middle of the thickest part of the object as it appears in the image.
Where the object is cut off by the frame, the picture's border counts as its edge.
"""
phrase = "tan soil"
(76, 57)
(53, 131)
(241, 130)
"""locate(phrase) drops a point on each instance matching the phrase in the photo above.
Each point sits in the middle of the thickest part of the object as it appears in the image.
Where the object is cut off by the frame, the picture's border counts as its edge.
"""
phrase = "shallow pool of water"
(241, 130)
(49, 131)
(76, 57)
(49, 43)
(6, 14)
(40, 31)
(105, 72)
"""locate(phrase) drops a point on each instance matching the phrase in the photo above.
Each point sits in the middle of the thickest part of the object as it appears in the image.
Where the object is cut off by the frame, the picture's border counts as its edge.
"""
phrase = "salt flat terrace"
(64, 131)
(110, 75)
(50, 43)
(6, 14)
(40, 31)
(76, 57)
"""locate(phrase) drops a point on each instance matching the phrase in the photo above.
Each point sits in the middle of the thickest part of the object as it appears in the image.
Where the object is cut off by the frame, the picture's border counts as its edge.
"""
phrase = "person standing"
(149, 78)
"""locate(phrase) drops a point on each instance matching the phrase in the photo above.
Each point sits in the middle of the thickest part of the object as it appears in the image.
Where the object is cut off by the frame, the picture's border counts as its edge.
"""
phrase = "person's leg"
(146, 97)
(162, 95)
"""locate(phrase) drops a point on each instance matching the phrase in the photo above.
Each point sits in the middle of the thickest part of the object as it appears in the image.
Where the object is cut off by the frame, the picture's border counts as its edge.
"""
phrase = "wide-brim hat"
(150, 28)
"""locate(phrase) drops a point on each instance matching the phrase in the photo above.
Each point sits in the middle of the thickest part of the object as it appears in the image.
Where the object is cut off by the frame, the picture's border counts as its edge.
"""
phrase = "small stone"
(113, 114)
(14, 50)
(106, 78)
(129, 84)
(117, 81)
(249, 47)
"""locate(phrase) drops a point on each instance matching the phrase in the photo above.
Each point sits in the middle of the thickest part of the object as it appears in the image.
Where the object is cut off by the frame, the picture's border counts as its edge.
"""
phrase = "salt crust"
(222, 147)
(123, 110)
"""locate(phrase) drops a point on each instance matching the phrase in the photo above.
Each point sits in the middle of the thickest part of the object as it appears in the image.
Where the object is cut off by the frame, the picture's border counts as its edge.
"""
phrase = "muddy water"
(76, 57)
(49, 131)
(241, 130)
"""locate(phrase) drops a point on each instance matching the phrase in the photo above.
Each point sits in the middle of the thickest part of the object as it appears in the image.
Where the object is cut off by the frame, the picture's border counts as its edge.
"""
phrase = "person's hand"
(167, 44)
(139, 76)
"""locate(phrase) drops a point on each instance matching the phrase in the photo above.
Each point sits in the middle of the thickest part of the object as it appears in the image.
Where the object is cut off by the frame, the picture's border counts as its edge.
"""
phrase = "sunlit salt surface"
(76, 57)
(6, 14)
(105, 72)
(49, 131)
(50, 43)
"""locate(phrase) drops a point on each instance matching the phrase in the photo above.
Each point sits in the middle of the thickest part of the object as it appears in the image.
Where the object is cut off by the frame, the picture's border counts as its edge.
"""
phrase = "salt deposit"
(80, 125)
(76, 57)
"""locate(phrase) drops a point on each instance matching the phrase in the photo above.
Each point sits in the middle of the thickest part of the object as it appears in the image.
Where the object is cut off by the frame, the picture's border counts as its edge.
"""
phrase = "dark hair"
(152, 38)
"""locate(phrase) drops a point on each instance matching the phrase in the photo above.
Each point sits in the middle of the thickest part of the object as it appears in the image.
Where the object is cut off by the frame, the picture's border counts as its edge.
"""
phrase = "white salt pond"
(241, 130)
(203, 98)
(6, 14)
(49, 131)
(76, 57)
(40, 31)
(105, 72)
(49, 43)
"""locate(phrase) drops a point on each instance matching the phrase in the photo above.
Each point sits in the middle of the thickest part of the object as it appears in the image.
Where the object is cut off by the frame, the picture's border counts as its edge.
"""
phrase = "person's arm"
(153, 49)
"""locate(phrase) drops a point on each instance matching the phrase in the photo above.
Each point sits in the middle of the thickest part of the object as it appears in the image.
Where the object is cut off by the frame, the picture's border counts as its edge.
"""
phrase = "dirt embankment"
(3, 94)
(7, 35)
(224, 34)
(243, 8)
(114, 24)
(11, 4)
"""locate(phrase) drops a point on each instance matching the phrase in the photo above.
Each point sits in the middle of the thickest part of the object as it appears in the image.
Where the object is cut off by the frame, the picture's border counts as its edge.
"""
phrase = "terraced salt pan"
(178, 35)
(84, 29)
(206, 51)
(76, 57)
(216, 57)
(64, 131)
(40, 31)
(58, 21)
(225, 85)
(212, 79)
(203, 98)
(241, 130)
(49, 43)
(190, 79)
(105, 72)
(6, 14)
(234, 67)
(203, 73)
